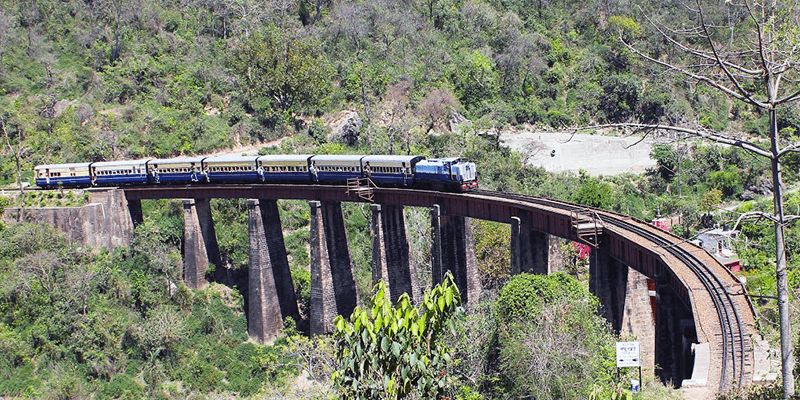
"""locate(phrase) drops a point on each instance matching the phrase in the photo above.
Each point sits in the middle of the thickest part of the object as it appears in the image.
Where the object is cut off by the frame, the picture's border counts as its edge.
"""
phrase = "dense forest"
(107, 79)
(91, 80)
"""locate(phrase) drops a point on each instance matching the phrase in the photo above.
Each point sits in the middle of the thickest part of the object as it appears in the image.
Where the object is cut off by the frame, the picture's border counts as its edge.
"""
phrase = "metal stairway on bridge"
(587, 226)
(362, 187)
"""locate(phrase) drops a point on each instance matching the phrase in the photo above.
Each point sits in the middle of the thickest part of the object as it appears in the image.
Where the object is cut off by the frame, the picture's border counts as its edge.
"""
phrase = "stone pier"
(199, 242)
(454, 250)
(530, 249)
(625, 300)
(270, 295)
(390, 259)
(676, 333)
(638, 319)
(333, 287)
(135, 211)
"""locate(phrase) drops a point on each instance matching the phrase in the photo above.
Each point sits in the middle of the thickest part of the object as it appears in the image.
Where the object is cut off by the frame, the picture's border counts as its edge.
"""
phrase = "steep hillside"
(109, 79)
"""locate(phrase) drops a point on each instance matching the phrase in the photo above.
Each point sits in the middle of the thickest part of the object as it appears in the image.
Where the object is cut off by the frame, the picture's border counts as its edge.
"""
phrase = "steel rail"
(732, 339)
(723, 301)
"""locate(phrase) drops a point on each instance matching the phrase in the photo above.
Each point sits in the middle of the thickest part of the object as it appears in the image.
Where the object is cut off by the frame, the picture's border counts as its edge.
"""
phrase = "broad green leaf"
(396, 349)
(385, 344)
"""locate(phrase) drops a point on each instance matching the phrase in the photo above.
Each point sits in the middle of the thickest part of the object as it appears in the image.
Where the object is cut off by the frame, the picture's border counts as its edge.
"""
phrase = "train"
(451, 174)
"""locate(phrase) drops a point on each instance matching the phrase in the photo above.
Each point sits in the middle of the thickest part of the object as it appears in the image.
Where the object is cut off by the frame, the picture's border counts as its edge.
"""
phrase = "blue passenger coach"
(64, 175)
(284, 168)
(335, 168)
(390, 170)
(112, 173)
(235, 169)
(175, 170)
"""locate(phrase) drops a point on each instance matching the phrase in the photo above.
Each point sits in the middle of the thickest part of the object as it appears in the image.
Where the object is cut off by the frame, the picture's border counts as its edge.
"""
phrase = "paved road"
(596, 154)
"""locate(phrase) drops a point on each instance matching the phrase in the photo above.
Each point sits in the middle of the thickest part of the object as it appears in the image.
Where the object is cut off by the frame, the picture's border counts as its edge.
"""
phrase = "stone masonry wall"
(104, 222)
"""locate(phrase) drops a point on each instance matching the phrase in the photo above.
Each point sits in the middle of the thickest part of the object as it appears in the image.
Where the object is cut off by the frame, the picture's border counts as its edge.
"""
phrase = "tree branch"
(715, 137)
(760, 34)
(717, 59)
(703, 54)
(702, 78)
(795, 148)
(646, 134)
(788, 98)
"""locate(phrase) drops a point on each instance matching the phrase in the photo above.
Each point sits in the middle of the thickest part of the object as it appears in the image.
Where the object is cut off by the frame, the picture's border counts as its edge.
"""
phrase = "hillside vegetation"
(111, 79)
(91, 80)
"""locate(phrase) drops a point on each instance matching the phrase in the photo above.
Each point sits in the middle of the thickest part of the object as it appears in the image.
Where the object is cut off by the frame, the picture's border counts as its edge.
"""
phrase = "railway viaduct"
(691, 315)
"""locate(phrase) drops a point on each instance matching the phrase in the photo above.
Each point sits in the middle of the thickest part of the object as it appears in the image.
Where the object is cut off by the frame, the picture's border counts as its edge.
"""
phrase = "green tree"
(281, 71)
(711, 200)
(727, 180)
(492, 252)
(475, 79)
(552, 342)
(594, 193)
(390, 351)
(620, 97)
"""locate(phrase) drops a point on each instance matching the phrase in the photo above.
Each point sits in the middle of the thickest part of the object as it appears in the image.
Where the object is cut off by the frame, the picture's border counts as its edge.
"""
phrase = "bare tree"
(434, 108)
(17, 152)
(747, 59)
(394, 113)
(5, 28)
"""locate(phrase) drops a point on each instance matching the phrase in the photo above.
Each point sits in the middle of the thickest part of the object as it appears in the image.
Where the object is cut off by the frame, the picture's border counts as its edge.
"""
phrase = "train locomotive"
(444, 174)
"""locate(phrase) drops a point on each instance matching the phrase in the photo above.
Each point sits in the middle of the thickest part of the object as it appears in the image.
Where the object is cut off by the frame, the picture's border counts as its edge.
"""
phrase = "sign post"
(628, 356)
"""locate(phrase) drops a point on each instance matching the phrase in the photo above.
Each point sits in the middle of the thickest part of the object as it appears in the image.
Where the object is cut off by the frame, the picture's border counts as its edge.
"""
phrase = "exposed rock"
(762, 188)
(747, 195)
(62, 105)
(345, 128)
(455, 120)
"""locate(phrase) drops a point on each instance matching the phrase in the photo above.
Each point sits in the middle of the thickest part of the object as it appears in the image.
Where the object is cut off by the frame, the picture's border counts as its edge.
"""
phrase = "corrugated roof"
(186, 160)
(390, 158)
(70, 165)
(336, 157)
(284, 157)
(230, 159)
(118, 163)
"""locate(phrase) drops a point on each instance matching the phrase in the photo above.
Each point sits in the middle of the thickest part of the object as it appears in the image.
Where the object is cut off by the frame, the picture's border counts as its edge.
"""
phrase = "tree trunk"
(17, 153)
(780, 263)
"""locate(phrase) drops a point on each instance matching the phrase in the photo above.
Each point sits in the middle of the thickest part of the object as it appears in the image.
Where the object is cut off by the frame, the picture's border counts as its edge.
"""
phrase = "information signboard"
(628, 355)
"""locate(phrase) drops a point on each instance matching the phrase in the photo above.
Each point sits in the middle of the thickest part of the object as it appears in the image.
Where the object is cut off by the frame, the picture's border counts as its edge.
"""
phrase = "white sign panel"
(628, 355)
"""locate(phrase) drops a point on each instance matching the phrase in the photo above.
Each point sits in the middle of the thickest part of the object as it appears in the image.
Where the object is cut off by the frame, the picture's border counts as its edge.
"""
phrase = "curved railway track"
(730, 344)
(734, 342)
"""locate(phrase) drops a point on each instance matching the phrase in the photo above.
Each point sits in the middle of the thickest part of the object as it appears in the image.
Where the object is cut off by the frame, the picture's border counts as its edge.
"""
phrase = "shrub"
(123, 386)
(552, 344)
(773, 391)
(390, 351)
